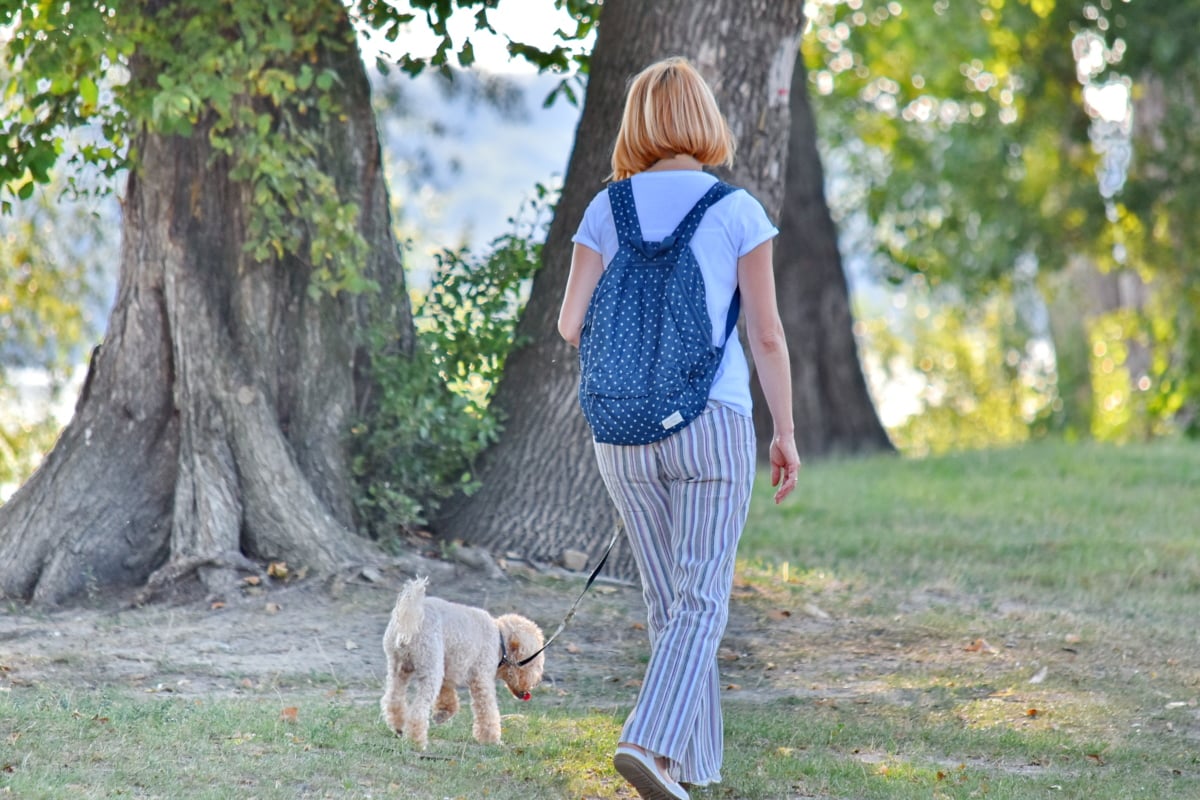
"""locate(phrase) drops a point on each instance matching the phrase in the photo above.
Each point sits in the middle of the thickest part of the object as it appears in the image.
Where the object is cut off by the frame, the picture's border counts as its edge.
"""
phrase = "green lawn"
(1011, 624)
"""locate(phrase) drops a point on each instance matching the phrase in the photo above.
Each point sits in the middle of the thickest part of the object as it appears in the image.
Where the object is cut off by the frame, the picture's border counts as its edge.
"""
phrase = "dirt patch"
(321, 635)
(325, 634)
(294, 633)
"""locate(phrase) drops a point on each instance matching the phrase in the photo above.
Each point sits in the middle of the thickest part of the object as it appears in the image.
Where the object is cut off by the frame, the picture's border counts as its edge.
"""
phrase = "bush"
(417, 445)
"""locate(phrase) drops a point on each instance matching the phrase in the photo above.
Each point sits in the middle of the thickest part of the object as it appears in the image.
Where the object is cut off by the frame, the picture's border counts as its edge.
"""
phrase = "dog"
(433, 646)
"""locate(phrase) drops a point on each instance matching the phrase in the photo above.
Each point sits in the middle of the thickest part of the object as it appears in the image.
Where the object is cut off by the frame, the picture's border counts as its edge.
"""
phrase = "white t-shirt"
(730, 229)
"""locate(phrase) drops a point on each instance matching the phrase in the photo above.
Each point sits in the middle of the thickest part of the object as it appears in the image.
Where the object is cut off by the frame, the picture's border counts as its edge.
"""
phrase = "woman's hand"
(785, 465)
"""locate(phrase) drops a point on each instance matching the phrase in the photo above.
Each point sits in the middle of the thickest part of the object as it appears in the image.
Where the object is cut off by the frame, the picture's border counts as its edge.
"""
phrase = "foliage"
(416, 445)
(566, 56)
(469, 316)
(248, 77)
(50, 273)
(982, 381)
(975, 138)
(952, 116)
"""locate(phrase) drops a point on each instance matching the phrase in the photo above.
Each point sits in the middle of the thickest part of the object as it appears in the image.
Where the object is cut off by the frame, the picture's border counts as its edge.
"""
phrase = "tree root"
(171, 572)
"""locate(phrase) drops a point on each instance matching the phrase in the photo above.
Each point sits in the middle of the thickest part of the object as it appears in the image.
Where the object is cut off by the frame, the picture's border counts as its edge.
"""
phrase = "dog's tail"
(409, 612)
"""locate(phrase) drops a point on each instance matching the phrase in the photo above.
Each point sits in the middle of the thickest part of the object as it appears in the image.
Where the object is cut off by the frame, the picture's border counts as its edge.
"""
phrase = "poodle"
(436, 646)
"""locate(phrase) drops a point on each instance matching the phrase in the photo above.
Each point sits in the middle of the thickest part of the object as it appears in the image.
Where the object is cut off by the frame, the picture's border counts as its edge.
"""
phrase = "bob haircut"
(670, 111)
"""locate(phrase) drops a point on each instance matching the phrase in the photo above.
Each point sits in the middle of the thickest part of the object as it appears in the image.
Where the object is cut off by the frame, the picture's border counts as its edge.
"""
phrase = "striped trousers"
(684, 501)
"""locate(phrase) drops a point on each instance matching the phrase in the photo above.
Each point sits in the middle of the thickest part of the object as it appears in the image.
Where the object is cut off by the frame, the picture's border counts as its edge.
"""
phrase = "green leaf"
(466, 56)
(88, 91)
(305, 78)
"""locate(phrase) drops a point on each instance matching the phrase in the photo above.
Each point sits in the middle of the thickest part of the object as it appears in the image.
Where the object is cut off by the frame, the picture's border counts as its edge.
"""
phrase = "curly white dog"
(433, 646)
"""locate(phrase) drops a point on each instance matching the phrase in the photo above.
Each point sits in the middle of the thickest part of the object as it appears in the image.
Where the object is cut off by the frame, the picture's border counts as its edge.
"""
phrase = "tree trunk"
(541, 491)
(211, 427)
(833, 411)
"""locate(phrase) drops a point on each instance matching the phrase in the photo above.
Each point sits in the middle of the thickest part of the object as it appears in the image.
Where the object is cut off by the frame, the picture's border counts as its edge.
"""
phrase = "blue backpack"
(646, 356)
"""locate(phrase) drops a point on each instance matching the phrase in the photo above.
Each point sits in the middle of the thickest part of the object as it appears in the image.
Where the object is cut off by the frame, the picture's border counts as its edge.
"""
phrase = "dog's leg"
(392, 702)
(447, 702)
(426, 681)
(486, 726)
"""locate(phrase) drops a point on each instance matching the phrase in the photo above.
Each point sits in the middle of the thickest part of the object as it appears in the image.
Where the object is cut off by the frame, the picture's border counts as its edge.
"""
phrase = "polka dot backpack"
(646, 356)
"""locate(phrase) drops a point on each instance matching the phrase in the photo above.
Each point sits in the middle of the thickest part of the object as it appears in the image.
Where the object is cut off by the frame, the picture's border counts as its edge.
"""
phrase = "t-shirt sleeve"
(753, 225)
(589, 233)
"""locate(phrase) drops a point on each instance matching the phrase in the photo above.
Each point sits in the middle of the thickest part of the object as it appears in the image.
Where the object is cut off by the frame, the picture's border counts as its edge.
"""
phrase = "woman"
(684, 498)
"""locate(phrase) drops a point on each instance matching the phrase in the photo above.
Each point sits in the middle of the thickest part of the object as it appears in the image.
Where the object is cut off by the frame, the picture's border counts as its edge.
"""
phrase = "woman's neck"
(675, 162)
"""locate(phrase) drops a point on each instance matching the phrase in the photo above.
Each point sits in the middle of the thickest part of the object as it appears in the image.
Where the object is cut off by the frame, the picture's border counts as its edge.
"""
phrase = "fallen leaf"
(778, 614)
(351, 644)
(252, 580)
(217, 605)
(290, 714)
(1040, 675)
(941, 776)
(572, 648)
(1031, 712)
(980, 646)
(732, 687)
(632, 683)
(638, 626)
(1095, 757)
(278, 570)
(273, 608)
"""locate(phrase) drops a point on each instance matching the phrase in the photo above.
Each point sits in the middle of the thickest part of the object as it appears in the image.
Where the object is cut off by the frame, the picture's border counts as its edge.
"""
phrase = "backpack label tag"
(672, 421)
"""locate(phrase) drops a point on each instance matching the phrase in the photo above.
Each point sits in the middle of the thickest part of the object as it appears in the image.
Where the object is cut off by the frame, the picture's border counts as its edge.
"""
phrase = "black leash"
(620, 526)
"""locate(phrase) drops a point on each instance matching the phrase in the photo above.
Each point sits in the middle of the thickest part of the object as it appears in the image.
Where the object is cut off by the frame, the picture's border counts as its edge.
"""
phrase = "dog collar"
(503, 653)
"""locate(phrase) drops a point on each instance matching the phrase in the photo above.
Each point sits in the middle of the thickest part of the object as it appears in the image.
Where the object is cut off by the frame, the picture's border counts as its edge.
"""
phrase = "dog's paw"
(486, 734)
(442, 715)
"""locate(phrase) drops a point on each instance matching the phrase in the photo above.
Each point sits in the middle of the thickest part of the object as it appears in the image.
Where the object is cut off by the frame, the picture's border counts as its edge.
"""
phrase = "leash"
(504, 659)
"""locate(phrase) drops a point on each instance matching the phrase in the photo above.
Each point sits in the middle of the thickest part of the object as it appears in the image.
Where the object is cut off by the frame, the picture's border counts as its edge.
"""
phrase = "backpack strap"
(687, 226)
(683, 235)
(735, 308)
(620, 197)
(629, 229)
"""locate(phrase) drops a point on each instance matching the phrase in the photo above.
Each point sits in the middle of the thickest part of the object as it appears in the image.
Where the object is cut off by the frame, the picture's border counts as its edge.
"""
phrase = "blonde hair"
(670, 111)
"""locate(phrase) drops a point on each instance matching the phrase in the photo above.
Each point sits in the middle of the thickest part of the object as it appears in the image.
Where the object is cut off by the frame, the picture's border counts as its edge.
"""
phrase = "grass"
(1009, 624)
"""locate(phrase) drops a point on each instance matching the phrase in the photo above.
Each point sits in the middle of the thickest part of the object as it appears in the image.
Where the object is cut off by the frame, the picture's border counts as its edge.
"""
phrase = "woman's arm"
(756, 280)
(586, 267)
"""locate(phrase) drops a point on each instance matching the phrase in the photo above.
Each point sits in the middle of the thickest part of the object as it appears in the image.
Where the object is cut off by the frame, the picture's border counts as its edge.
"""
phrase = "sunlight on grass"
(769, 576)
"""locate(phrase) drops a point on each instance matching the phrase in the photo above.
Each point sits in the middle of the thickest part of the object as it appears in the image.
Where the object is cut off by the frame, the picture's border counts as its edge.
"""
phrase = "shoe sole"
(643, 777)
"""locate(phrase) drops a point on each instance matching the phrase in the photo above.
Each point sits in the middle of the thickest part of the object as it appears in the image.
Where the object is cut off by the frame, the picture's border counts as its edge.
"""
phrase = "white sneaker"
(639, 768)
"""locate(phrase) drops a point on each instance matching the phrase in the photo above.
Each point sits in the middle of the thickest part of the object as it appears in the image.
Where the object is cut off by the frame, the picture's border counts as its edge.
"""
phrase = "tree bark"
(541, 492)
(212, 423)
(832, 408)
